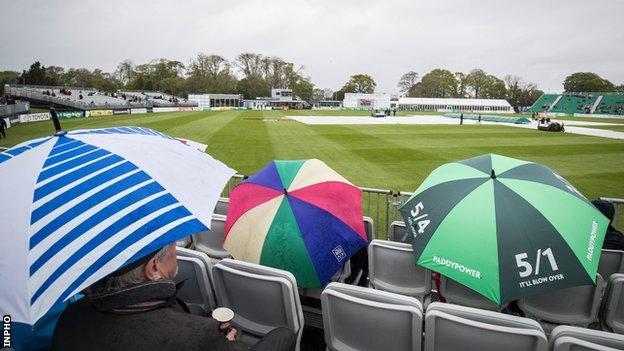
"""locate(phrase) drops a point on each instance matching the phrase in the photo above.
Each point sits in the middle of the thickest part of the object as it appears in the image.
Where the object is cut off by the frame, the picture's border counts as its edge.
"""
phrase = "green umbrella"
(505, 228)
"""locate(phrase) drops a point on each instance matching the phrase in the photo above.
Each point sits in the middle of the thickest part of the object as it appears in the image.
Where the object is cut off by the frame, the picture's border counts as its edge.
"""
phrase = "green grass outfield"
(380, 156)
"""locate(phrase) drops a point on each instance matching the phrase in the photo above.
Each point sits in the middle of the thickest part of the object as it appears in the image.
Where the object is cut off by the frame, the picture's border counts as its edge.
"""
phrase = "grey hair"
(133, 276)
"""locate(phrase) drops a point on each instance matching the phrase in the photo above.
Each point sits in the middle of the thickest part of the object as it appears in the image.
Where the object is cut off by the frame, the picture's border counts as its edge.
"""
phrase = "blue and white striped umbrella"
(77, 207)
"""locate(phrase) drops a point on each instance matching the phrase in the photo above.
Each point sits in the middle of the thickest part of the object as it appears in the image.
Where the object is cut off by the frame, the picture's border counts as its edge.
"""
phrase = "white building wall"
(203, 100)
(372, 101)
(462, 105)
(218, 100)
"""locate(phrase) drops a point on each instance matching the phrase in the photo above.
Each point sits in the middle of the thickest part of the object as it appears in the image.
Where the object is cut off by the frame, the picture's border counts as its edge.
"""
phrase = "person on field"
(135, 308)
(461, 119)
(479, 120)
(3, 127)
(614, 240)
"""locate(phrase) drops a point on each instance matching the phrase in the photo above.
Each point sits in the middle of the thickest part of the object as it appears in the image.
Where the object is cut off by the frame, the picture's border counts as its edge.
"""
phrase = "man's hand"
(231, 335)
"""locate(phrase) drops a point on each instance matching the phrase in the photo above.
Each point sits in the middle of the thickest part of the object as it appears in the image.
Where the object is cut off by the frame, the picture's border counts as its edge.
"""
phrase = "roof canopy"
(463, 102)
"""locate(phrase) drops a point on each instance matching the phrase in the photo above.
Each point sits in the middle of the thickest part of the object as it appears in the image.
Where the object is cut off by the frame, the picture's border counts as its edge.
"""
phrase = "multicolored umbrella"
(89, 202)
(300, 216)
(505, 228)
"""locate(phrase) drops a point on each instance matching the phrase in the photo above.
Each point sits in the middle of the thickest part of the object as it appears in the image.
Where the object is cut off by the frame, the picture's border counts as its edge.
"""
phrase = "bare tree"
(407, 82)
(125, 71)
(520, 93)
(249, 63)
(209, 65)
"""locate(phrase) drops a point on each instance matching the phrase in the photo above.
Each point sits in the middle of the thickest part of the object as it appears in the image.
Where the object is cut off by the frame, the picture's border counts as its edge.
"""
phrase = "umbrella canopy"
(300, 216)
(89, 202)
(505, 228)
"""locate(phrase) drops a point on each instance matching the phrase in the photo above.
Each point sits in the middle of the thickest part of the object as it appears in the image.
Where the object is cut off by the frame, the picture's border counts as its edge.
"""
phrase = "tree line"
(250, 74)
(478, 84)
(253, 75)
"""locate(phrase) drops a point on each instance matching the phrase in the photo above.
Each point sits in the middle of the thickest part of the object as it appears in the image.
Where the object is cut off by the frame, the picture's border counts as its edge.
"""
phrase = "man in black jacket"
(135, 308)
(3, 126)
(614, 240)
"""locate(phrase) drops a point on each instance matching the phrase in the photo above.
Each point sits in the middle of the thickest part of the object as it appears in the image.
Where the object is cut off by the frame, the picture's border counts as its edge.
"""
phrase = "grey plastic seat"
(576, 306)
(459, 294)
(391, 268)
(613, 309)
(211, 242)
(611, 261)
(208, 262)
(451, 327)
(262, 298)
(343, 273)
(369, 227)
(567, 338)
(358, 318)
(196, 291)
(397, 232)
(222, 206)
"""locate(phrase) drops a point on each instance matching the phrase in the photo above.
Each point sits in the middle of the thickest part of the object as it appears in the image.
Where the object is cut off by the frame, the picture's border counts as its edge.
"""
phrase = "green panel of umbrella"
(505, 228)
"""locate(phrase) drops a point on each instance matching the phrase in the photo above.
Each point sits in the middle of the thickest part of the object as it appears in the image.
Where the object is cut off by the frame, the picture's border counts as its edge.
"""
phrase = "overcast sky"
(541, 40)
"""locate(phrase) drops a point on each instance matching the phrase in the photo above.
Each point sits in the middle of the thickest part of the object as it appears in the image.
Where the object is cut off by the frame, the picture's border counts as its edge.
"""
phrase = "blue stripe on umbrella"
(147, 130)
(193, 226)
(141, 212)
(74, 152)
(108, 211)
(82, 188)
(87, 204)
(62, 140)
(67, 148)
(16, 151)
(122, 223)
(124, 130)
(59, 147)
(78, 161)
(4, 157)
(76, 174)
(182, 230)
(139, 130)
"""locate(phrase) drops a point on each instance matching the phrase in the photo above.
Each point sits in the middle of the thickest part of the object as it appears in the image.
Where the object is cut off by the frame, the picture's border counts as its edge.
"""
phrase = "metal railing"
(60, 100)
(31, 93)
(383, 205)
(376, 204)
(13, 109)
(234, 181)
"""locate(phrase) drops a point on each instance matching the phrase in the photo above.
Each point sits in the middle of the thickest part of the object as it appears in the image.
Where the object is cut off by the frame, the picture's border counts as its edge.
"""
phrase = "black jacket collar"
(136, 298)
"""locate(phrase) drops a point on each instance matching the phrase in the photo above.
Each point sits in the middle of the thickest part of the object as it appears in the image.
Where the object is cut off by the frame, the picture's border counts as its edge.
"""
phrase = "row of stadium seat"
(391, 268)
(158, 98)
(543, 103)
(611, 261)
(90, 98)
(575, 103)
(359, 318)
(605, 103)
(612, 104)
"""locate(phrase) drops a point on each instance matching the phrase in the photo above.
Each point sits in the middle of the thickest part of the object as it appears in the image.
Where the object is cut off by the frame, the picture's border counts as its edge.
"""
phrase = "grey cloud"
(542, 41)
